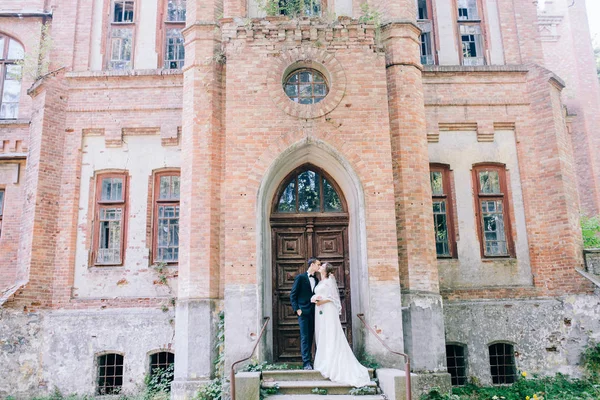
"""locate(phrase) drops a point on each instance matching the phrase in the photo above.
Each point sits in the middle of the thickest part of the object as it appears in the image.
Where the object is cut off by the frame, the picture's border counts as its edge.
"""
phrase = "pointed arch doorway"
(309, 218)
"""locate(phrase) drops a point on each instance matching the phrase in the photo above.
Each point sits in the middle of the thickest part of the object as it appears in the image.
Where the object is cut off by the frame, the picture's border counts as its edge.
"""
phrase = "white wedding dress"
(334, 358)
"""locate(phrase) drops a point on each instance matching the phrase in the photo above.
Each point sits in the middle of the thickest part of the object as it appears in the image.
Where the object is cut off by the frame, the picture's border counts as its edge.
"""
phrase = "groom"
(302, 290)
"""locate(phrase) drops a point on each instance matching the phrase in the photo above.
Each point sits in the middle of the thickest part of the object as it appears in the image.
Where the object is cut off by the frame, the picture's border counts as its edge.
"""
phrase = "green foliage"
(214, 389)
(291, 8)
(266, 392)
(549, 388)
(369, 15)
(255, 366)
(37, 64)
(591, 362)
(363, 391)
(596, 45)
(590, 229)
(368, 360)
(321, 392)
(57, 395)
(159, 381)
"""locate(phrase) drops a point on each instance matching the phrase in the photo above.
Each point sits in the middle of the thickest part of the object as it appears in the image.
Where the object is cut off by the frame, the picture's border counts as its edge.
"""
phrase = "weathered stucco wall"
(461, 150)
(548, 335)
(47, 350)
(140, 156)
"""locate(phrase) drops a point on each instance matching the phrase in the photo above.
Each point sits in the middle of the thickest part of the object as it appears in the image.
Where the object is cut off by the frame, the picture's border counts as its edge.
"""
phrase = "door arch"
(309, 218)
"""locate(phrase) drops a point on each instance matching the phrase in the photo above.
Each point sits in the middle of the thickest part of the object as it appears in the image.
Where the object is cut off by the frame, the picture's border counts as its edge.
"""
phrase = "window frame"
(99, 204)
(164, 25)
(97, 364)
(447, 186)
(4, 63)
(156, 353)
(433, 44)
(465, 364)
(3, 192)
(110, 25)
(506, 204)
(481, 22)
(156, 202)
(514, 362)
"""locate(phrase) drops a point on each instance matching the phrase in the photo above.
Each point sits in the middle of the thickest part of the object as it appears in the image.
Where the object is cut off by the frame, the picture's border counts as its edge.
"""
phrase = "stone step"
(305, 387)
(297, 375)
(321, 397)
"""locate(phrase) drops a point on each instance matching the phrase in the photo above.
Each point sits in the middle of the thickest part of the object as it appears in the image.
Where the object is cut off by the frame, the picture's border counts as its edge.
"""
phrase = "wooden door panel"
(294, 241)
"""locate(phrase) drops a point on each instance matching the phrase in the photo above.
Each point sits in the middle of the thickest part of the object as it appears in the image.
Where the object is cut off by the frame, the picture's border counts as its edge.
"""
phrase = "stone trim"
(318, 59)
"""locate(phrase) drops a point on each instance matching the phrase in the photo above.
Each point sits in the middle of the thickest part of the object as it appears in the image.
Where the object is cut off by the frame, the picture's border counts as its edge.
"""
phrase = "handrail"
(406, 357)
(232, 377)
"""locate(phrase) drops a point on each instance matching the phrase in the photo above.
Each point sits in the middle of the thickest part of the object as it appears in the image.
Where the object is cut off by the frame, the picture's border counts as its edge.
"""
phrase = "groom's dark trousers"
(300, 299)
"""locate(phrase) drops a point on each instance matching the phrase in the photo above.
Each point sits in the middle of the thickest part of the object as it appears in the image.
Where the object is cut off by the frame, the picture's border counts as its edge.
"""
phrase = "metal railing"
(232, 376)
(406, 357)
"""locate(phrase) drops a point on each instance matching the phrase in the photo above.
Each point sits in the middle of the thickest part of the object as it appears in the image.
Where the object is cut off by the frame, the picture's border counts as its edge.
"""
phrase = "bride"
(334, 358)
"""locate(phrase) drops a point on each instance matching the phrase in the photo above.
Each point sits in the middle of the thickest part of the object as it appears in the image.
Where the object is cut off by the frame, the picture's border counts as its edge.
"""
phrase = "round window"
(306, 86)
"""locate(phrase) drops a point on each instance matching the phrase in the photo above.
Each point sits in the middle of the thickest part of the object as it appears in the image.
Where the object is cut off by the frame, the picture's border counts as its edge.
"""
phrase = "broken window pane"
(15, 50)
(123, 11)
(472, 45)
(161, 369)
(494, 235)
(168, 233)
(109, 245)
(440, 222)
(467, 10)
(437, 183)
(169, 187)
(489, 182)
(11, 91)
(121, 45)
(176, 11)
(175, 50)
(426, 55)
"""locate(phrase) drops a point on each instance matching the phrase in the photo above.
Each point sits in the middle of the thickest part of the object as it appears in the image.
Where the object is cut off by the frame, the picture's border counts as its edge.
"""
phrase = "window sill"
(14, 121)
(489, 259)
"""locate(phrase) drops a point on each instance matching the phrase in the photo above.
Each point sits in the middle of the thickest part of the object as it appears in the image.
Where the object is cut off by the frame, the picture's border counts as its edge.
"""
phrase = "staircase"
(299, 385)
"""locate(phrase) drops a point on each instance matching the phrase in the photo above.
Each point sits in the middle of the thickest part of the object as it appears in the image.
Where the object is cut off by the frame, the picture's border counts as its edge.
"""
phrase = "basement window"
(161, 368)
(457, 365)
(502, 363)
(110, 374)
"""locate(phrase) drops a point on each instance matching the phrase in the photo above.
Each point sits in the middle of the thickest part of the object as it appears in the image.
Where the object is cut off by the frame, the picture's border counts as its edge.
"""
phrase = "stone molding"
(320, 60)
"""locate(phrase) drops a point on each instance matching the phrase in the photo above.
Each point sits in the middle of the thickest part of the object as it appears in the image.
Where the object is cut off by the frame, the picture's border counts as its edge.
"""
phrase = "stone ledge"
(468, 69)
(128, 73)
(8, 122)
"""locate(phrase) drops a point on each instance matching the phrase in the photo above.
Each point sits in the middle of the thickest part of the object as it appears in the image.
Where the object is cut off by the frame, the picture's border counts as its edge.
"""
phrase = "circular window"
(306, 86)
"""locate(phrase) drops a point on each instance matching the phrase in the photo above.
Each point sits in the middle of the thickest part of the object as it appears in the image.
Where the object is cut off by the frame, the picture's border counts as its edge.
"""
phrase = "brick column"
(235, 8)
(199, 277)
(423, 320)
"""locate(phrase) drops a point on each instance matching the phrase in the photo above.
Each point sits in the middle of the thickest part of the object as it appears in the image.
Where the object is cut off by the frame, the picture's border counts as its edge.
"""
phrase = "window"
(110, 374)
(425, 23)
(467, 10)
(502, 363)
(442, 210)
(122, 21)
(306, 86)
(494, 229)
(426, 55)
(11, 51)
(162, 365)
(472, 45)
(111, 192)
(308, 191)
(294, 8)
(174, 24)
(166, 217)
(470, 33)
(1, 208)
(457, 366)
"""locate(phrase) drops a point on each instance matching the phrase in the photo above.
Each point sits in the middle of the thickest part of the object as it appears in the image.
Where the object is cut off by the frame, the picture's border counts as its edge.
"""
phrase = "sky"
(593, 8)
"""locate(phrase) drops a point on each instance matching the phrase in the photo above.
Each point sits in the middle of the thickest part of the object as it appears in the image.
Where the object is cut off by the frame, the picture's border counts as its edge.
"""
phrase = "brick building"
(226, 146)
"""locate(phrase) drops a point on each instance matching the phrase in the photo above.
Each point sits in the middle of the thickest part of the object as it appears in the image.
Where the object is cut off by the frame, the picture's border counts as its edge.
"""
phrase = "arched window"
(110, 374)
(10, 76)
(502, 363)
(309, 191)
(457, 363)
(161, 368)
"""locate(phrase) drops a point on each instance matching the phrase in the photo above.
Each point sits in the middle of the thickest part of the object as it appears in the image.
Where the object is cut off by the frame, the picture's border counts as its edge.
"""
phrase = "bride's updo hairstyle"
(329, 270)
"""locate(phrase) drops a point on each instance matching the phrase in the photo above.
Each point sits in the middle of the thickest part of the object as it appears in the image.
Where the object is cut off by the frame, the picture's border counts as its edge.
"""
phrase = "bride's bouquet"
(316, 298)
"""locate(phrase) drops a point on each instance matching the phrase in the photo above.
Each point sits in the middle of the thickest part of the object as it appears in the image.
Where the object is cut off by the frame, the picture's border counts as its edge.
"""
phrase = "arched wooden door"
(309, 219)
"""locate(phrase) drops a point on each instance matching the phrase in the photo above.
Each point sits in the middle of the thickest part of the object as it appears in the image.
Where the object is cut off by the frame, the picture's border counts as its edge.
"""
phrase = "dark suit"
(300, 298)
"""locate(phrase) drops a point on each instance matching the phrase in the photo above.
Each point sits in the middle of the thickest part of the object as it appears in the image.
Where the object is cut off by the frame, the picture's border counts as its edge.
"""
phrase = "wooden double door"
(295, 239)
